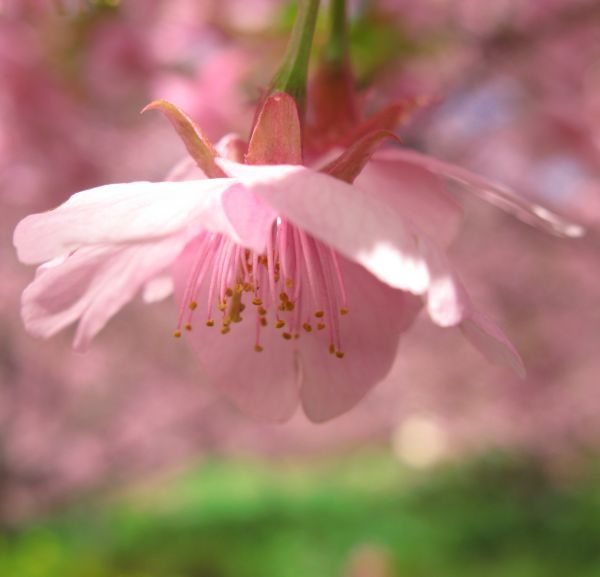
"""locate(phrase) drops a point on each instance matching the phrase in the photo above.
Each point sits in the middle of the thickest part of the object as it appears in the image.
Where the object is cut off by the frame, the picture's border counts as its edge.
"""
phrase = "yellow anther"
(289, 282)
(193, 305)
(177, 334)
(339, 354)
(227, 321)
(279, 324)
(210, 323)
(344, 311)
(284, 297)
(281, 307)
(319, 314)
(256, 301)
(222, 306)
(225, 330)
(239, 288)
(228, 292)
(258, 348)
(331, 349)
(188, 327)
(307, 327)
(262, 311)
(289, 306)
(287, 336)
(320, 326)
(248, 287)
(263, 321)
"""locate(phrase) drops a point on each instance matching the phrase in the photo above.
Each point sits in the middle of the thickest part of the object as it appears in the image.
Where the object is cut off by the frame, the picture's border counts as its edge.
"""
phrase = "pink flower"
(294, 284)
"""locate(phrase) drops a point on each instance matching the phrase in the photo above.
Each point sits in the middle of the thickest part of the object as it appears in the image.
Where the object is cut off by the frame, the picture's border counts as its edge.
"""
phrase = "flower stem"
(337, 48)
(293, 75)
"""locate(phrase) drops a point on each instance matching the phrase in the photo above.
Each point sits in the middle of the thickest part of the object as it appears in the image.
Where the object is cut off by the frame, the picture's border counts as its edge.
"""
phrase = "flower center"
(296, 287)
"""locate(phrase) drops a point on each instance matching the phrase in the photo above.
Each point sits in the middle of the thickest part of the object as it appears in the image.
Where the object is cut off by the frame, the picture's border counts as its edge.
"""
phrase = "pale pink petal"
(185, 169)
(447, 300)
(416, 194)
(263, 384)
(129, 213)
(370, 334)
(158, 289)
(360, 227)
(91, 285)
(496, 194)
(488, 339)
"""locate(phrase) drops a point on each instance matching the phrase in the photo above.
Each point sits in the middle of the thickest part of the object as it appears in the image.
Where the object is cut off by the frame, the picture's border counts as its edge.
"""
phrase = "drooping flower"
(293, 284)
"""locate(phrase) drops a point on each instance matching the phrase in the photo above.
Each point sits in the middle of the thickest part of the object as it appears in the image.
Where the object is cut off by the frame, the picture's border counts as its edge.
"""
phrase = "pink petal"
(496, 194)
(158, 289)
(447, 300)
(370, 334)
(415, 194)
(360, 227)
(263, 384)
(126, 213)
(91, 285)
(489, 339)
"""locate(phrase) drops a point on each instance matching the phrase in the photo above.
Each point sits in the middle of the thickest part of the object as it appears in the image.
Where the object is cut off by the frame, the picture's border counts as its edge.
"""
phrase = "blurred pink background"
(516, 87)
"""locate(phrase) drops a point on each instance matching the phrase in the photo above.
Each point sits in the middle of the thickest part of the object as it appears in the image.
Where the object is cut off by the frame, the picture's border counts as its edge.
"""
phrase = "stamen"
(298, 280)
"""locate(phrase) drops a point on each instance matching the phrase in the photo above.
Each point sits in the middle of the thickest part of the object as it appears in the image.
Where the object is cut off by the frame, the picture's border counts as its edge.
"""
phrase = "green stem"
(337, 48)
(293, 74)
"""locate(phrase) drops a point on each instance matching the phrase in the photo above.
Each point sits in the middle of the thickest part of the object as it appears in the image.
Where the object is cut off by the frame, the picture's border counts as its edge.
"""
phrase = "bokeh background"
(123, 463)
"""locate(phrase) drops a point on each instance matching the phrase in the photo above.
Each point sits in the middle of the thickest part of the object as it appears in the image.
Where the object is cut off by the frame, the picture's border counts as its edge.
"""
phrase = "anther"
(344, 311)
(210, 323)
(320, 326)
(284, 297)
(307, 327)
(258, 348)
(289, 306)
(319, 314)
(257, 302)
(193, 305)
(225, 329)
(262, 311)
(263, 321)
(289, 283)
(331, 349)
(229, 292)
(287, 336)
(339, 354)
(279, 324)
(222, 306)
(188, 327)
(177, 334)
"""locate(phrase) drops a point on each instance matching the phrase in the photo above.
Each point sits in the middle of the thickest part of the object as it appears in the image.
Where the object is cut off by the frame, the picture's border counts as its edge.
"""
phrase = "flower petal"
(359, 226)
(134, 212)
(263, 384)
(370, 334)
(91, 285)
(158, 289)
(414, 193)
(481, 331)
(447, 300)
(496, 194)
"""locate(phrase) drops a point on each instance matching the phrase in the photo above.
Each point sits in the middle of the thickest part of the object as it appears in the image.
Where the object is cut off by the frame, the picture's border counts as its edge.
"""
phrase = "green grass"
(497, 516)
